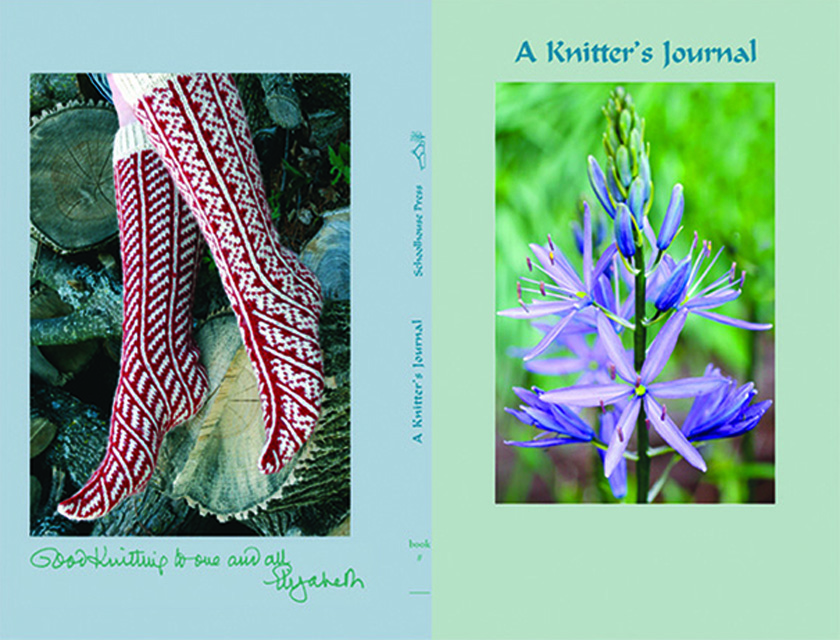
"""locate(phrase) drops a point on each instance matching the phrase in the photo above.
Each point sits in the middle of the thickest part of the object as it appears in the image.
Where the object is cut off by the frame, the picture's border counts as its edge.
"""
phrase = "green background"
(536, 571)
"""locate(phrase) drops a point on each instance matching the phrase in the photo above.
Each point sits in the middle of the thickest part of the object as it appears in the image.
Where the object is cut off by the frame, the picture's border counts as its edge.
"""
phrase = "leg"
(197, 124)
(161, 381)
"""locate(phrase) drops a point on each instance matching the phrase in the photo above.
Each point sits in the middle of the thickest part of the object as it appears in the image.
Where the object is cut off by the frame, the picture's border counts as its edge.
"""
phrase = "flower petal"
(549, 337)
(671, 434)
(662, 346)
(587, 248)
(618, 478)
(572, 423)
(734, 322)
(686, 387)
(604, 261)
(538, 309)
(615, 350)
(542, 443)
(556, 366)
(591, 395)
(713, 300)
(621, 436)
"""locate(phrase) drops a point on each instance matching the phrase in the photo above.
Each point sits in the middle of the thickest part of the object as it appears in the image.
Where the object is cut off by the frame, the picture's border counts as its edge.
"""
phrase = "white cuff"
(130, 139)
(134, 86)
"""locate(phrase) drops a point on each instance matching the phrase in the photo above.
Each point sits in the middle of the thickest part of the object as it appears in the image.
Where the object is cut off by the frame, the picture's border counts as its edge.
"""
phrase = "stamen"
(542, 288)
(699, 280)
(530, 264)
(550, 243)
(611, 370)
(620, 434)
(664, 411)
(519, 295)
(602, 406)
(551, 256)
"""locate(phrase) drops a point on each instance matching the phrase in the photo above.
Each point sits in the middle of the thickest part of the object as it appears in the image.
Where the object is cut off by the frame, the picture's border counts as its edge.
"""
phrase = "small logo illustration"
(419, 150)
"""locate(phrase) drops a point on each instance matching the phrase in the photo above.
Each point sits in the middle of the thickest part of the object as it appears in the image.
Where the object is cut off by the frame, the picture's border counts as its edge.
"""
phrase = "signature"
(298, 587)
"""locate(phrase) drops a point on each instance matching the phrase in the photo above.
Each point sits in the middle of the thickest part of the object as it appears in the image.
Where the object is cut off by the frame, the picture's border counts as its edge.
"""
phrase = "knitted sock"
(161, 381)
(197, 124)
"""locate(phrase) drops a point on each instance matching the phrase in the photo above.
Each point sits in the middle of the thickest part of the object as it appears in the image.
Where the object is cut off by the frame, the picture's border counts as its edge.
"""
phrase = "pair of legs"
(185, 168)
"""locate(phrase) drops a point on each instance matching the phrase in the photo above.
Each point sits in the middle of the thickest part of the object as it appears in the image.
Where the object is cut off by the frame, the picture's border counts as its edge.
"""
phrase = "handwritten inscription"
(99, 558)
(282, 575)
(284, 579)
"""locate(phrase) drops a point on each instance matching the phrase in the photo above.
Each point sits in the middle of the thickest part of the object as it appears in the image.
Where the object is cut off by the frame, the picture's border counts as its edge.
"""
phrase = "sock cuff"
(134, 86)
(130, 139)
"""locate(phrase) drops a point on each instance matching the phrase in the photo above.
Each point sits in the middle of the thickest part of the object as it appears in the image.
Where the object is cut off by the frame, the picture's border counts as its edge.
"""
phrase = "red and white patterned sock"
(161, 382)
(197, 124)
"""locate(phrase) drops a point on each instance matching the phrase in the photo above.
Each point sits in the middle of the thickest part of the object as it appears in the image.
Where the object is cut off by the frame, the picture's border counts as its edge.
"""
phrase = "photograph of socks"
(216, 401)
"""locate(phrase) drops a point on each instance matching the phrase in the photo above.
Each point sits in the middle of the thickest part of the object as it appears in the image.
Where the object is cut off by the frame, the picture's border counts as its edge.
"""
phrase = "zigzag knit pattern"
(197, 124)
(161, 381)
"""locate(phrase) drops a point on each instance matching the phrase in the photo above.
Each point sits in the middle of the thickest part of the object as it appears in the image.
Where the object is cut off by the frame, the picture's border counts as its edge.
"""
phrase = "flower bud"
(635, 144)
(644, 173)
(637, 200)
(622, 161)
(624, 232)
(674, 287)
(673, 217)
(625, 123)
(612, 185)
(612, 137)
(599, 186)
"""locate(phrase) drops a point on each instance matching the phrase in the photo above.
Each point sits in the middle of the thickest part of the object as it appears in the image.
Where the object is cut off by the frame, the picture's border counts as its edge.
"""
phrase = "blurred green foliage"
(716, 139)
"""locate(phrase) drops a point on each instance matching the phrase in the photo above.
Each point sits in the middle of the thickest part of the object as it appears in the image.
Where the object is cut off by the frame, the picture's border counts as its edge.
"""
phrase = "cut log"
(71, 177)
(281, 99)
(95, 297)
(70, 359)
(42, 430)
(211, 461)
(328, 255)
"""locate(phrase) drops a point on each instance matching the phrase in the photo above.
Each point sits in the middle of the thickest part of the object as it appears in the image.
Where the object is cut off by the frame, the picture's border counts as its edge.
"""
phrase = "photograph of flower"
(635, 293)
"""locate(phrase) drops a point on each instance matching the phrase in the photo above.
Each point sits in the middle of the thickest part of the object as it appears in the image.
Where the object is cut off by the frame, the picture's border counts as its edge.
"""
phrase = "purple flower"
(725, 289)
(673, 217)
(591, 362)
(560, 425)
(567, 295)
(724, 412)
(640, 390)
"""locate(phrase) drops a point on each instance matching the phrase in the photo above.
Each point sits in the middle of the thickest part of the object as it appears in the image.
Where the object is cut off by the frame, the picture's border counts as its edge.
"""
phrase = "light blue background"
(385, 46)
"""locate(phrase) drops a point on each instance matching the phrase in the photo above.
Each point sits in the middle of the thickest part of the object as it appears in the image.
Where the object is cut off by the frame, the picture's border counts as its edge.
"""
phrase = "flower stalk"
(639, 349)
